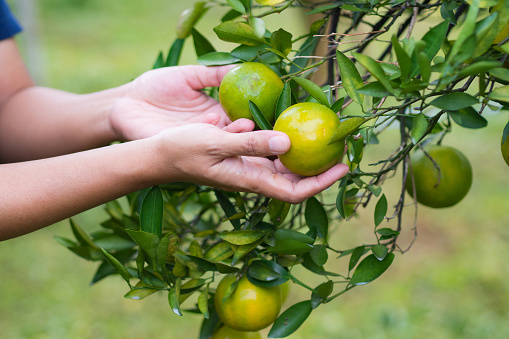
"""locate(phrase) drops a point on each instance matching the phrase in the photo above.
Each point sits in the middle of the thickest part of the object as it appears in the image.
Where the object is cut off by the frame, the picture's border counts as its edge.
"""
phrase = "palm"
(167, 98)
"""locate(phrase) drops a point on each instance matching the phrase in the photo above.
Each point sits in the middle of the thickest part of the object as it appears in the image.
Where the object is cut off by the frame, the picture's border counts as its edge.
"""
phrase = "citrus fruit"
(250, 81)
(285, 290)
(250, 307)
(269, 2)
(227, 333)
(505, 150)
(310, 126)
(447, 189)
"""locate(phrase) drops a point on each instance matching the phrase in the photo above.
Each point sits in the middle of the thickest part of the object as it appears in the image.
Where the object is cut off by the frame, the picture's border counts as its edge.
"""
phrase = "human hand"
(234, 158)
(166, 98)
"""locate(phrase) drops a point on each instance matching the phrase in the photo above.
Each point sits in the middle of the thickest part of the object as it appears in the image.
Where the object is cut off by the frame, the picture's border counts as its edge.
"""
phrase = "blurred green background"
(451, 284)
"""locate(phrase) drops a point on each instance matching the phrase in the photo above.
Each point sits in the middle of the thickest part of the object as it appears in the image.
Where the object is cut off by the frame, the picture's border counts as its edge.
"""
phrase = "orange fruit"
(285, 291)
(250, 81)
(250, 307)
(454, 181)
(227, 333)
(505, 150)
(310, 126)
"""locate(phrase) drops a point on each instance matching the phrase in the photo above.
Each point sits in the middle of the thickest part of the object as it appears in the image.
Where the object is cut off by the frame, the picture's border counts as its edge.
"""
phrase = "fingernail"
(278, 145)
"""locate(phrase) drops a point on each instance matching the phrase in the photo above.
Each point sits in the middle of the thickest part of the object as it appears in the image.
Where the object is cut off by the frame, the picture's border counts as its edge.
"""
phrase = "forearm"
(38, 122)
(38, 193)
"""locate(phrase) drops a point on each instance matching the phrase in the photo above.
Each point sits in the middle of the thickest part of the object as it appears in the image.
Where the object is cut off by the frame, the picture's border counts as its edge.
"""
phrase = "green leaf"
(217, 59)
(485, 31)
(262, 272)
(350, 77)
(258, 26)
(281, 41)
(203, 302)
(468, 118)
(290, 246)
(159, 61)
(285, 99)
(357, 253)
(286, 234)
(322, 292)
(81, 236)
(202, 45)
(313, 89)
(238, 32)
(419, 126)
(291, 319)
(380, 210)
(242, 250)
(140, 291)
(478, 67)
(258, 116)
(374, 89)
(371, 268)
(380, 251)
(319, 254)
(505, 133)
(275, 268)
(434, 39)
(242, 237)
(151, 214)
(189, 18)
(237, 5)
(454, 101)
(209, 325)
(424, 65)
(219, 252)
(404, 61)
(148, 242)
(387, 233)
(174, 298)
(316, 217)
(375, 69)
(340, 201)
(174, 53)
(322, 9)
(117, 265)
(338, 105)
(278, 211)
(376, 190)
(500, 94)
(500, 73)
(227, 207)
(346, 128)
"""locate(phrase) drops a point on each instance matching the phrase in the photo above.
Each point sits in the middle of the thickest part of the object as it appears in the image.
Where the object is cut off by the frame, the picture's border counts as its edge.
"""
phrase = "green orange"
(270, 2)
(227, 333)
(250, 307)
(440, 189)
(250, 81)
(310, 127)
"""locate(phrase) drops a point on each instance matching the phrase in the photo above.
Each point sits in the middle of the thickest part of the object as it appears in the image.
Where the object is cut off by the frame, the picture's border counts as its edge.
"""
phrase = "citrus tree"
(423, 67)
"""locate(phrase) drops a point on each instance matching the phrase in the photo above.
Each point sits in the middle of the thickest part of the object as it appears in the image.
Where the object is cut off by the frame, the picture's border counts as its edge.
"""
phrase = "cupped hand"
(234, 158)
(166, 98)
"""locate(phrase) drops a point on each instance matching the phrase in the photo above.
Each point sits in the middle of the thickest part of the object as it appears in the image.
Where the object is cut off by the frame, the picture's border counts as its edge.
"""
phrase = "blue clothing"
(9, 26)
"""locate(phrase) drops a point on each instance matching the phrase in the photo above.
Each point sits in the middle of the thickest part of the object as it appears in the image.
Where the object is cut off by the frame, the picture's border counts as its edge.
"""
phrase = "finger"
(240, 126)
(257, 143)
(212, 118)
(200, 77)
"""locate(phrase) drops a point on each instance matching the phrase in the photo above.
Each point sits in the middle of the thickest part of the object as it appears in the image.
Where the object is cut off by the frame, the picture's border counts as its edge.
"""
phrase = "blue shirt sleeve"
(9, 26)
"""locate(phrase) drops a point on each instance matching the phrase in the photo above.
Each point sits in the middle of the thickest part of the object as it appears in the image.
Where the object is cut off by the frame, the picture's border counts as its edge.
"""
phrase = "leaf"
(380, 210)
(371, 268)
(151, 215)
(278, 211)
(81, 236)
(258, 26)
(419, 126)
(434, 39)
(424, 66)
(313, 89)
(242, 237)
(219, 252)
(203, 302)
(404, 61)
(357, 253)
(316, 217)
(242, 250)
(468, 118)
(237, 5)
(375, 69)
(174, 298)
(281, 41)
(291, 319)
(376, 190)
(217, 59)
(346, 128)
(117, 265)
(319, 254)
(286, 234)
(159, 61)
(258, 116)
(209, 324)
(289, 246)
(227, 207)
(202, 45)
(500, 94)
(350, 77)
(237, 32)
(454, 101)
(505, 133)
(374, 89)
(478, 67)
(147, 241)
(387, 233)
(262, 272)
(174, 53)
(140, 291)
(340, 201)
(189, 18)
(322, 292)
(500, 73)
(275, 268)
(380, 251)
(338, 105)
(322, 9)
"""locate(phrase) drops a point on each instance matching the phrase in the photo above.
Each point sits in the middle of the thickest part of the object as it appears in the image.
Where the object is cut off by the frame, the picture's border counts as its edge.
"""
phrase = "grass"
(451, 284)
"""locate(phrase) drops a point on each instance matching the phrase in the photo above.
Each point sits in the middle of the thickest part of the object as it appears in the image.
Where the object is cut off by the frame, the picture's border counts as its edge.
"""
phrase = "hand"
(234, 158)
(166, 98)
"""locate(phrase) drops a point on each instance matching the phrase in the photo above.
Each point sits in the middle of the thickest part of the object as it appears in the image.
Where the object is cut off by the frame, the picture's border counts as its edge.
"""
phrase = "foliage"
(182, 237)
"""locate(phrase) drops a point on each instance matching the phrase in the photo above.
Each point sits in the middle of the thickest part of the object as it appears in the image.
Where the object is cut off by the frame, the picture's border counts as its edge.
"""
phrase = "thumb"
(257, 143)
